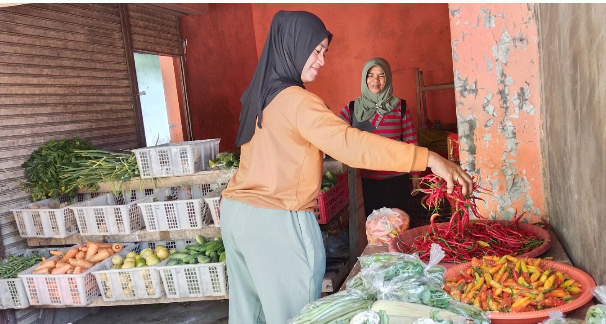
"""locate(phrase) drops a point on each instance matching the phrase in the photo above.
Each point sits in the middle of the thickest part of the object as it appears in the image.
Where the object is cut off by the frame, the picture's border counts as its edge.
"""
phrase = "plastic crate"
(194, 280)
(184, 209)
(134, 283)
(110, 214)
(48, 222)
(13, 294)
(65, 289)
(212, 201)
(332, 201)
(175, 159)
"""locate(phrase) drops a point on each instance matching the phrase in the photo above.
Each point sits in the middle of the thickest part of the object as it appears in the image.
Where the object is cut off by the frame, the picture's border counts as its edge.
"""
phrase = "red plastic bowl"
(409, 236)
(538, 316)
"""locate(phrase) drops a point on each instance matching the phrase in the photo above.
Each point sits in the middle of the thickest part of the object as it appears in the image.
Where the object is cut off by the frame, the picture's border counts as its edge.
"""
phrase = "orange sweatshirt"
(281, 167)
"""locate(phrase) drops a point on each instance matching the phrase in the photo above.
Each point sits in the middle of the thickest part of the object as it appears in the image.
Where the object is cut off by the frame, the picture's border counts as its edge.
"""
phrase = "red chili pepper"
(516, 276)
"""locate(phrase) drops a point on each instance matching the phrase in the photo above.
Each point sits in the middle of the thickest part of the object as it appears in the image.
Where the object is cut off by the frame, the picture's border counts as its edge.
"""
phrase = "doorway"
(159, 98)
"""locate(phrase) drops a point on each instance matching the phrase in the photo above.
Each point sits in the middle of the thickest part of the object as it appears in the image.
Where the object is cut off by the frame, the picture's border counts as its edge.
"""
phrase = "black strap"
(351, 116)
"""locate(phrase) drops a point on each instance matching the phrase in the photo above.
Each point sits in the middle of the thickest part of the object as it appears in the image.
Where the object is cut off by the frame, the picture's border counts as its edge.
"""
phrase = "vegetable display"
(43, 169)
(509, 284)
(460, 238)
(329, 180)
(94, 166)
(225, 160)
(13, 264)
(146, 258)
(77, 259)
(387, 276)
(203, 252)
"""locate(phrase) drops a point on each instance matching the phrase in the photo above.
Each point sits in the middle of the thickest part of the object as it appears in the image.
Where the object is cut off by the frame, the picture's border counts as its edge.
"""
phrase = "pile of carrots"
(78, 259)
(509, 284)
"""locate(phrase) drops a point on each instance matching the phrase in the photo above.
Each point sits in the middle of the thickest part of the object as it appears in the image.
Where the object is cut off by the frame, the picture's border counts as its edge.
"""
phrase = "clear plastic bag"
(384, 224)
(557, 317)
(336, 308)
(596, 314)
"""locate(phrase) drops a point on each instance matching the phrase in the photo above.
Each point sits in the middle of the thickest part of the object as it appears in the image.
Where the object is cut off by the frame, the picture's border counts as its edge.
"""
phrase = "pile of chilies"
(460, 239)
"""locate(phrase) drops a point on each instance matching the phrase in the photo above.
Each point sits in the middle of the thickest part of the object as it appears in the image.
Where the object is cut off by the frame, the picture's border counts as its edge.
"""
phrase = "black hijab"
(292, 37)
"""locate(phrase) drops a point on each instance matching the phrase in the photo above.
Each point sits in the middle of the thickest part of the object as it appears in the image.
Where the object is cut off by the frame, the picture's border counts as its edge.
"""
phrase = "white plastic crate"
(135, 283)
(12, 294)
(65, 289)
(110, 214)
(48, 222)
(175, 159)
(213, 200)
(176, 209)
(194, 280)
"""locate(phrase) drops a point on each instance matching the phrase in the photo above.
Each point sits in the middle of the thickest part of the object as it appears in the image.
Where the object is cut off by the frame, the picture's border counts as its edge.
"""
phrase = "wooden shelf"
(98, 302)
(214, 176)
(139, 236)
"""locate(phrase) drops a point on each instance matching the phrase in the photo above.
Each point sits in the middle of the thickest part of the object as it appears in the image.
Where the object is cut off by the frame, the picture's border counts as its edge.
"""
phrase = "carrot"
(80, 255)
(117, 247)
(54, 258)
(71, 253)
(102, 255)
(61, 270)
(78, 270)
(85, 249)
(42, 271)
(46, 264)
(60, 254)
(92, 250)
(81, 263)
(110, 250)
(104, 245)
(62, 262)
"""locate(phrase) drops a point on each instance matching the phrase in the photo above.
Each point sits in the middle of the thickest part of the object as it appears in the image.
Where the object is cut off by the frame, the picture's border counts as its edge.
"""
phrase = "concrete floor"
(203, 312)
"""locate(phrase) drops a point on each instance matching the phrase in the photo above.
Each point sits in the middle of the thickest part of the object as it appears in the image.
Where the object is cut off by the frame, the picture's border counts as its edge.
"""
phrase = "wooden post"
(132, 74)
(357, 216)
(418, 87)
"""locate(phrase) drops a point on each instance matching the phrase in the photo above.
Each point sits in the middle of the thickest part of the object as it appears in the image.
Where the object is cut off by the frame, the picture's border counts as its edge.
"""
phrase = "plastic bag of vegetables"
(596, 314)
(338, 308)
(557, 317)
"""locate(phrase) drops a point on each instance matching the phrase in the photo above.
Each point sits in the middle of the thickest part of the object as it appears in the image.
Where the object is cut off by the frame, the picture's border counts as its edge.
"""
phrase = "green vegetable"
(172, 262)
(222, 257)
(203, 259)
(331, 177)
(200, 239)
(12, 265)
(225, 160)
(178, 256)
(214, 257)
(45, 167)
(335, 309)
(94, 166)
(596, 314)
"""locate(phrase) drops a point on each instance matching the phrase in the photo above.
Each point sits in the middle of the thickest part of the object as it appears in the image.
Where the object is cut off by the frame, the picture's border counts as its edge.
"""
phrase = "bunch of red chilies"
(460, 239)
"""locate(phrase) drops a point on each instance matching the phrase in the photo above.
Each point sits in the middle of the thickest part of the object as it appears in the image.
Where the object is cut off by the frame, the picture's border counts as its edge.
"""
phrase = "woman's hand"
(450, 172)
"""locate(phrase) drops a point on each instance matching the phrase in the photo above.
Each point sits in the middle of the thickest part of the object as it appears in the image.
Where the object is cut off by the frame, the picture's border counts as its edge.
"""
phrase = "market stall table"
(556, 251)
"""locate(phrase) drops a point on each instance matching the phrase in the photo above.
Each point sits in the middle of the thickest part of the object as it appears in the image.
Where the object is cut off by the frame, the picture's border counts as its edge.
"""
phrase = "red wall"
(224, 45)
(220, 61)
(406, 35)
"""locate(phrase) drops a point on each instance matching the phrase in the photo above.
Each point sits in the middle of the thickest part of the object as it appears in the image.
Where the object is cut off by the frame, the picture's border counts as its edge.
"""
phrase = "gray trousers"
(275, 262)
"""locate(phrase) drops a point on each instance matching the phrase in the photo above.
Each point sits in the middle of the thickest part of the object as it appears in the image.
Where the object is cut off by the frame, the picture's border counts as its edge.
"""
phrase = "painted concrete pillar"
(495, 50)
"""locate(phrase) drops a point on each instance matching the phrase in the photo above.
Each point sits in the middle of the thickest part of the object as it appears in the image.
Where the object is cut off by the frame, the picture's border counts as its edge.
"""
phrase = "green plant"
(44, 168)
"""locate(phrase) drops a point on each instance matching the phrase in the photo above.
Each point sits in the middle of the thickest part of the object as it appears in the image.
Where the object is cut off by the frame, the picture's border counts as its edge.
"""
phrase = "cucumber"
(172, 262)
(178, 256)
(222, 256)
(331, 177)
(191, 247)
(203, 259)
(190, 258)
(200, 239)
(214, 257)
(221, 250)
